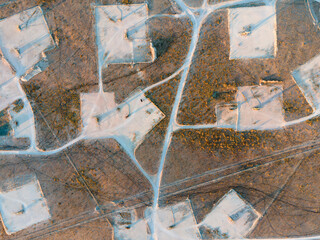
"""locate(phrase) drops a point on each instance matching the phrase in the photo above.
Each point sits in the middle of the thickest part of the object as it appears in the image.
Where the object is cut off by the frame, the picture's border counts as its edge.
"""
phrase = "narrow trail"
(197, 24)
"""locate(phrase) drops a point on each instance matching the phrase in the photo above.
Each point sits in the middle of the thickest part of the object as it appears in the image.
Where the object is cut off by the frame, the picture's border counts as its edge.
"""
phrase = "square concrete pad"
(232, 217)
(227, 115)
(256, 107)
(118, 27)
(307, 78)
(22, 204)
(260, 107)
(24, 37)
(252, 32)
(178, 220)
(128, 123)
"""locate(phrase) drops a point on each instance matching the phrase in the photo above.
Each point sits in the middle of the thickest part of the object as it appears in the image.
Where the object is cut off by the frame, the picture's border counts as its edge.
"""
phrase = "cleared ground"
(93, 173)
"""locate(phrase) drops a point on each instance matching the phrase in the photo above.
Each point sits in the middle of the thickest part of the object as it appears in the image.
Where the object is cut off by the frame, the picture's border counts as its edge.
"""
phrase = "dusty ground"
(95, 173)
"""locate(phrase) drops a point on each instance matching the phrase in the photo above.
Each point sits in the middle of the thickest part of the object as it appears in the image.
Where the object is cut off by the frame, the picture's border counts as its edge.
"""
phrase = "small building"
(231, 217)
(122, 34)
(128, 123)
(177, 222)
(307, 78)
(255, 107)
(22, 203)
(252, 32)
(24, 39)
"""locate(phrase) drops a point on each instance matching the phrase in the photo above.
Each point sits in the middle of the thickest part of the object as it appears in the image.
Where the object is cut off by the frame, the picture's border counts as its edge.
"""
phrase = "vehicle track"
(178, 187)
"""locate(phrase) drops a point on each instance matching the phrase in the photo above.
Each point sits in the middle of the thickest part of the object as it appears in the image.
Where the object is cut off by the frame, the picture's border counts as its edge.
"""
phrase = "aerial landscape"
(159, 119)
